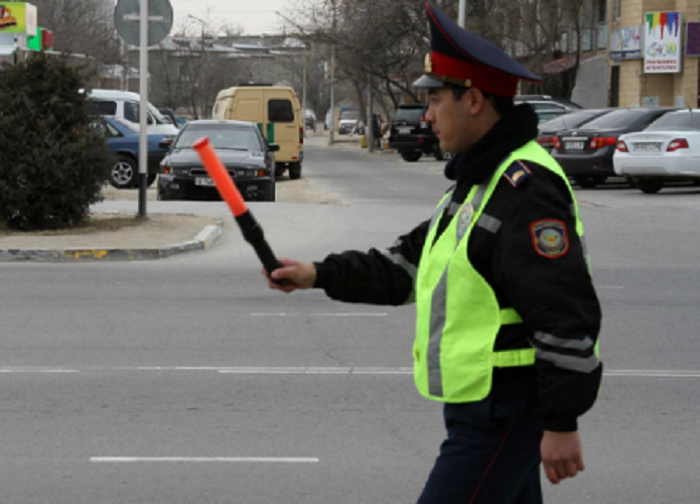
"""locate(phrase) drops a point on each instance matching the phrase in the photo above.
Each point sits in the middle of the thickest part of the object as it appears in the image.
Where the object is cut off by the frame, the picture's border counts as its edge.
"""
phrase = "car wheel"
(650, 185)
(295, 171)
(411, 156)
(439, 155)
(270, 192)
(124, 173)
(151, 179)
(588, 182)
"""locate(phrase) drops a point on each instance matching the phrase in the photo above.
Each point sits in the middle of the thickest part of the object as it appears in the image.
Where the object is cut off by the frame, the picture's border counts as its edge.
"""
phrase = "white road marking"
(402, 371)
(276, 460)
(369, 314)
(318, 371)
(19, 370)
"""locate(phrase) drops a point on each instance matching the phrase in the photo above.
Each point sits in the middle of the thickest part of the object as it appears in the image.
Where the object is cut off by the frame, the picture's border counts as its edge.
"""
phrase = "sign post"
(136, 27)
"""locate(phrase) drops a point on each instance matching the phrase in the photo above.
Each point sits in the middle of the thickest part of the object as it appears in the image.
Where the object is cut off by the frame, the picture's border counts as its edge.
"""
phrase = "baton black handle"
(253, 233)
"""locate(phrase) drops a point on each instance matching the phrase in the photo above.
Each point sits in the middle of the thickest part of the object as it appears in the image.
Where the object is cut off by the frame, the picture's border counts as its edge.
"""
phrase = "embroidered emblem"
(464, 219)
(550, 238)
(517, 173)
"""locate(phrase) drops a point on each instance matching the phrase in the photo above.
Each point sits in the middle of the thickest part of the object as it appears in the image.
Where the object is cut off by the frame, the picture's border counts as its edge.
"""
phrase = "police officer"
(507, 316)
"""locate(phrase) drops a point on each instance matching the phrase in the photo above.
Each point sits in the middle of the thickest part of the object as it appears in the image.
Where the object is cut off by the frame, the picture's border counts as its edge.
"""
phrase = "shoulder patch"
(550, 238)
(517, 173)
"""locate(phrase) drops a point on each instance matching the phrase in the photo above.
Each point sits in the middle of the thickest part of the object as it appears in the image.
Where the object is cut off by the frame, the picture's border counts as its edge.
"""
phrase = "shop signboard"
(662, 42)
(18, 17)
(626, 43)
(692, 47)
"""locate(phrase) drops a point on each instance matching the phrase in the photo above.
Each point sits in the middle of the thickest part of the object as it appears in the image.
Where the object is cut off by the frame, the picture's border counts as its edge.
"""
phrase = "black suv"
(411, 134)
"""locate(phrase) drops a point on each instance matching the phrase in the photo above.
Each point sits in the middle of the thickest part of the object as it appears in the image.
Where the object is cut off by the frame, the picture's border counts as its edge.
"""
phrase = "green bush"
(52, 164)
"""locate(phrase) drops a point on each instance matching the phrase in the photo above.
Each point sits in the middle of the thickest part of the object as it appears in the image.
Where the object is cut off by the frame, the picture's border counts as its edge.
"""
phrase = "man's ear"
(476, 100)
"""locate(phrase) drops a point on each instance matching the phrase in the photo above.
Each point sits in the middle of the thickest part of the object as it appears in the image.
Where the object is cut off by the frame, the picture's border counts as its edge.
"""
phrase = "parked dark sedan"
(243, 150)
(411, 135)
(574, 119)
(586, 154)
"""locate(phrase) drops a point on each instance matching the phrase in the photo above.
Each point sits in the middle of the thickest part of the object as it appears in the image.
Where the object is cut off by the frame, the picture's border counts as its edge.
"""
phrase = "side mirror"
(166, 143)
(273, 148)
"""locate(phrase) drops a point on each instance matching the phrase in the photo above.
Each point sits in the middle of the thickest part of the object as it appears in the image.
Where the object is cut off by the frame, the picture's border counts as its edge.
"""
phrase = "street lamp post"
(203, 23)
(304, 75)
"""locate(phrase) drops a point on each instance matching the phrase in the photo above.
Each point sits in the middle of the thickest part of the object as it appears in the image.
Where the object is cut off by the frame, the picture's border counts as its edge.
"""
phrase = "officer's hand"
(561, 455)
(299, 275)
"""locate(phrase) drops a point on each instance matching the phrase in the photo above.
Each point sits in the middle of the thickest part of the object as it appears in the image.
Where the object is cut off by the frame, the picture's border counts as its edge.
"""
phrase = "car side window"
(104, 108)
(131, 112)
(280, 111)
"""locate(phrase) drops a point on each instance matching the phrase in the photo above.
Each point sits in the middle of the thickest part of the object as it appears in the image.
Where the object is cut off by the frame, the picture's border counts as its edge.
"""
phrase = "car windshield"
(685, 120)
(222, 136)
(619, 119)
(409, 114)
(349, 115)
(570, 121)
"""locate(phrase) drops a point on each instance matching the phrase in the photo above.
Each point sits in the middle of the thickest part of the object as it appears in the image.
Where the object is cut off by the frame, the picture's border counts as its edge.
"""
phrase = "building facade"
(634, 79)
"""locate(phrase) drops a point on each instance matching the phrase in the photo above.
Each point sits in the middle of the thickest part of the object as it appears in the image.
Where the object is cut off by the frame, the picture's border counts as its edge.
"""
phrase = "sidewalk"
(127, 238)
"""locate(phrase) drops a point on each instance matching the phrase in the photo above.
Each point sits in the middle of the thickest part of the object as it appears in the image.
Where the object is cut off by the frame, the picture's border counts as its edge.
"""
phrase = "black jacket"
(554, 295)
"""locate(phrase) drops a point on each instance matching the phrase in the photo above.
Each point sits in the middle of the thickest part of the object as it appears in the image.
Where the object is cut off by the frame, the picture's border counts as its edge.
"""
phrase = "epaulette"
(517, 173)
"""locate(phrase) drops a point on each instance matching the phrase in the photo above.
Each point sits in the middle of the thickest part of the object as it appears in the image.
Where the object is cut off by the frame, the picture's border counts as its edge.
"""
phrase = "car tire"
(589, 182)
(295, 171)
(271, 192)
(650, 185)
(439, 155)
(124, 174)
(411, 156)
(151, 178)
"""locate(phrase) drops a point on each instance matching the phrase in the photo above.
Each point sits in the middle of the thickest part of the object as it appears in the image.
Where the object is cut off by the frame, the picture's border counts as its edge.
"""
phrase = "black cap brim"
(427, 82)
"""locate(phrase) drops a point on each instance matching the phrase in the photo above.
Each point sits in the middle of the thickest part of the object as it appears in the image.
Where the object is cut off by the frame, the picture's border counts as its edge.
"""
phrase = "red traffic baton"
(251, 229)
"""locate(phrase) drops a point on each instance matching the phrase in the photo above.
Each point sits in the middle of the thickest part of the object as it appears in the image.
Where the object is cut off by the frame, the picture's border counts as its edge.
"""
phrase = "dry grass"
(96, 223)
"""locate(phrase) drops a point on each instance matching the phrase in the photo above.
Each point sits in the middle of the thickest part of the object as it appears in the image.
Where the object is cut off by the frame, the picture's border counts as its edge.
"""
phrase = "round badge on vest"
(465, 218)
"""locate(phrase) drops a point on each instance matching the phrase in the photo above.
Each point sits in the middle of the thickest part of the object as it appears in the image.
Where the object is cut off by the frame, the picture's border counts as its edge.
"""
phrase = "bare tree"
(82, 26)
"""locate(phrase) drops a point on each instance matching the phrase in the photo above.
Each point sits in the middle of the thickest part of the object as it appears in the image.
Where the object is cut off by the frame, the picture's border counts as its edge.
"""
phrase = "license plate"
(647, 147)
(202, 181)
(405, 131)
(574, 145)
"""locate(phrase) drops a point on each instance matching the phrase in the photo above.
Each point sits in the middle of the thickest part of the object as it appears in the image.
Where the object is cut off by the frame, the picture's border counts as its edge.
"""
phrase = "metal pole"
(303, 99)
(332, 139)
(462, 12)
(369, 129)
(143, 81)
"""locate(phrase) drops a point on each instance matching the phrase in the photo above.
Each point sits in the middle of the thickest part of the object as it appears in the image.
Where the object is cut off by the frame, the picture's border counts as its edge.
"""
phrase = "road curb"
(204, 240)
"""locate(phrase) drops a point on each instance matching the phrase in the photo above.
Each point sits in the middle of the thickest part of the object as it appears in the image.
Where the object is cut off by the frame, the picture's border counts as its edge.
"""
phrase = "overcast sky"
(254, 16)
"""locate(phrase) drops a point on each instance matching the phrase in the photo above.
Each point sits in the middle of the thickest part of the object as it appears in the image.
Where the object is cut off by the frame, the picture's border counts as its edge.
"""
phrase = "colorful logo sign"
(662, 47)
(626, 43)
(18, 17)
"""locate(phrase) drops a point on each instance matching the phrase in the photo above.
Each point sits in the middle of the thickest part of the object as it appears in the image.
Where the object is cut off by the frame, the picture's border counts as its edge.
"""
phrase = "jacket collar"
(512, 131)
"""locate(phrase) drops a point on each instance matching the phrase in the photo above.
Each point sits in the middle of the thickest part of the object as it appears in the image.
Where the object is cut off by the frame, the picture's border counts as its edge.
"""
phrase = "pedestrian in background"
(507, 317)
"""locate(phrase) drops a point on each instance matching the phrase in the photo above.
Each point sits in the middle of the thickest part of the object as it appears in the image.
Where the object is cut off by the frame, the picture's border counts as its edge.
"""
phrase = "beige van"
(277, 113)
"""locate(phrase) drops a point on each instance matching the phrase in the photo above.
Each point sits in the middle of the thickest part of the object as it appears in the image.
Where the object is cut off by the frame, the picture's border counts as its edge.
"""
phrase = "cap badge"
(428, 64)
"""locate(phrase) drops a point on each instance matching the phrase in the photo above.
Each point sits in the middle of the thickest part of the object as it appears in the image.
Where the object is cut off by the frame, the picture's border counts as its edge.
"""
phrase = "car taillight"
(622, 146)
(556, 143)
(301, 136)
(600, 142)
(545, 141)
(678, 143)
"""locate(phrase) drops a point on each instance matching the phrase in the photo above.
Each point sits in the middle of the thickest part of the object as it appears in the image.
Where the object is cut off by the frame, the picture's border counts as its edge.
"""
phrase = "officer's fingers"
(551, 473)
(579, 462)
(571, 468)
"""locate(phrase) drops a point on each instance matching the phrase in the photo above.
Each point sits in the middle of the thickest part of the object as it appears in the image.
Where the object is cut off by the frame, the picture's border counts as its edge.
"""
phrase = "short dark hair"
(502, 104)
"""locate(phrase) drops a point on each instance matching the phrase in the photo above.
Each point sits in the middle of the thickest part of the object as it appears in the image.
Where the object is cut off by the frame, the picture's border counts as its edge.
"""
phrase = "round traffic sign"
(127, 20)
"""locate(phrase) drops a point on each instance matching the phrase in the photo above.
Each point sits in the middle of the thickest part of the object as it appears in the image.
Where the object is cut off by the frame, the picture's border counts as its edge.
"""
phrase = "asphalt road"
(187, 380)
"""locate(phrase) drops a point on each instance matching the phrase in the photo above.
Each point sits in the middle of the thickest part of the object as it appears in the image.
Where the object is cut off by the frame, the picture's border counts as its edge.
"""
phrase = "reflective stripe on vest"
(458, 315)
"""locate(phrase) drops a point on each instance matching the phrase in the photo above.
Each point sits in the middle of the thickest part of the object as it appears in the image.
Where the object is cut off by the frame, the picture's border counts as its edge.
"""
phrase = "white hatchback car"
(668, 149)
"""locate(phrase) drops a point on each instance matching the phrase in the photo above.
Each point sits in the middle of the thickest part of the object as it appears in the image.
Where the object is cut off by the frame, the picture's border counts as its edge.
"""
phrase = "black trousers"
(492, 451)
